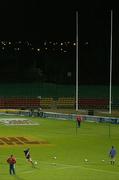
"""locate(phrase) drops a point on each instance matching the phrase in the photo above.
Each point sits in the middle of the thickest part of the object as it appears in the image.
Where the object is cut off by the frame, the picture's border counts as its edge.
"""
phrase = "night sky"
(49, 20)
(36, 22)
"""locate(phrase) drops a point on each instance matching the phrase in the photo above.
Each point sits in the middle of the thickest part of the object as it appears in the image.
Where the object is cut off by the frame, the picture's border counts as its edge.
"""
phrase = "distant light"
(45, 43)
(37, 49)
(74, 44)
(86, 43)
(61, 44)
(16, 49)
(4, 43)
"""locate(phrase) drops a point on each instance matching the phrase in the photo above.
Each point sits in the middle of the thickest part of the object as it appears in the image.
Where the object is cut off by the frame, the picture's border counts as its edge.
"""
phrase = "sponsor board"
(17, 121)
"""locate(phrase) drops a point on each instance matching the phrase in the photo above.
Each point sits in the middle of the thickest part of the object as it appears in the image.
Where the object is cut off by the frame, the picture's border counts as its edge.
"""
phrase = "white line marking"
(25, 172)
(79, 166)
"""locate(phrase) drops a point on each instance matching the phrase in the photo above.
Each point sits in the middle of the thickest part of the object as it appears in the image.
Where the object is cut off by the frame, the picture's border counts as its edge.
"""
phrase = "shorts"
(112, 158)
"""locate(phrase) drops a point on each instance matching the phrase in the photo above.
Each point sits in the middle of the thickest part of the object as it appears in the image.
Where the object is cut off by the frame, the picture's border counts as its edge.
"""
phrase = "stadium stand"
(33, 95)
(83, 103)
(2, 103)
(46, 102)
(61, 102)
(65, 102)
(93, 103)
(18, 102)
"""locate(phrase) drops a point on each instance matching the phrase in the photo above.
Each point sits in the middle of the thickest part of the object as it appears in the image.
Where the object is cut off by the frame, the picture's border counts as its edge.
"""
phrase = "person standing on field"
(78, 118)
(112, 155)
(11, 161)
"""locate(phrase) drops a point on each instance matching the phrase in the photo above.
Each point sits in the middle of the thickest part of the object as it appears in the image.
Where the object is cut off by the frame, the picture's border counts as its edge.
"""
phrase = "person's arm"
(8, 160)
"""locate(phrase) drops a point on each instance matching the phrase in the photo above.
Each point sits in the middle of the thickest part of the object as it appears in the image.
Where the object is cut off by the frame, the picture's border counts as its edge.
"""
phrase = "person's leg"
(30, 160)
(13, 169)
(78, 123)
(10, 170)
(113, 160)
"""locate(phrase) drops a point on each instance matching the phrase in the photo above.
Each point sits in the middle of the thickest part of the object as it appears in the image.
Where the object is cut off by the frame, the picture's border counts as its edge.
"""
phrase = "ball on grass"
(86, 160)
(35, 162)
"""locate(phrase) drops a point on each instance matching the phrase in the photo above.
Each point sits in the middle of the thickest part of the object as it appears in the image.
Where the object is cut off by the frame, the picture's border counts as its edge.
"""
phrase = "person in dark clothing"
(28, 156)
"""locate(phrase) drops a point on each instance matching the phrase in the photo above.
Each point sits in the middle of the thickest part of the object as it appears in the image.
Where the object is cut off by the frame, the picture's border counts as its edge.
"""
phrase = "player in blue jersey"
(112, 154)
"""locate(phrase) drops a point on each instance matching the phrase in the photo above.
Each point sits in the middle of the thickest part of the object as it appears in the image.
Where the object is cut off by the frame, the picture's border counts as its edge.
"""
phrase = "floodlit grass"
(69, 145)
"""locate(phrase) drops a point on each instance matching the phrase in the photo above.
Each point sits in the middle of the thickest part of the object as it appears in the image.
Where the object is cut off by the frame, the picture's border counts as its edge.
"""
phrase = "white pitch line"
(79, 166)
(66, 166)
(25, 172)
(93, 169)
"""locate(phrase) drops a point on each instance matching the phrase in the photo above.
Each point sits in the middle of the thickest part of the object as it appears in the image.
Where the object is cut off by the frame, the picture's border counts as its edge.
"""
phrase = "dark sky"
(49, 20)
(42, 20)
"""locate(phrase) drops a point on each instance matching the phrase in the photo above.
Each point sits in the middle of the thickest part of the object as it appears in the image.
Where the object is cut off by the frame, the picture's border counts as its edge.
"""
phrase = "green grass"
(71, 147)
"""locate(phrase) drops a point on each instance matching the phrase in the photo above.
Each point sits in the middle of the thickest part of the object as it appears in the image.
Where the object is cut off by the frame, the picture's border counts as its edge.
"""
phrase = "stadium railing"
(88, 118)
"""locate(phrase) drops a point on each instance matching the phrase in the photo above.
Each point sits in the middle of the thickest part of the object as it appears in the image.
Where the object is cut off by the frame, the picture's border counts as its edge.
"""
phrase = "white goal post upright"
(77, 61)
(110, 89)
